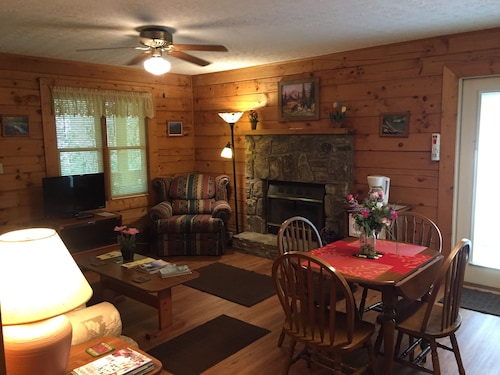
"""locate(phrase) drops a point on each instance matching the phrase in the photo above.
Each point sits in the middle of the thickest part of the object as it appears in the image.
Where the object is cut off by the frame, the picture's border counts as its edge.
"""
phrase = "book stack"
(153, 266)
(122, 362)
(174, 270)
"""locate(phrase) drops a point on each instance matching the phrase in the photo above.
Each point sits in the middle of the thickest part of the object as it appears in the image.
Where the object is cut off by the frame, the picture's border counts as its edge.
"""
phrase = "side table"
(79, 357)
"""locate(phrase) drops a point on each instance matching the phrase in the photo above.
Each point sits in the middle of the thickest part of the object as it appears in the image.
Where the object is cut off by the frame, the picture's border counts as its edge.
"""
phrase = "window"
(111, 140)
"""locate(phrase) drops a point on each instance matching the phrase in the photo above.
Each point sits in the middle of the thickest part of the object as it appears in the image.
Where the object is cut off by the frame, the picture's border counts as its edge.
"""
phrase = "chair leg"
(289, 359)
(435, 358)
(362, 303)
(456, 351)
(281, 338)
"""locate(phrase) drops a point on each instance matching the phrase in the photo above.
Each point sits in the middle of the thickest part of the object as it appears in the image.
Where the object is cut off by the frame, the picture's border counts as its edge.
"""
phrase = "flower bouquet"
(338, 112)
(253, 117)
(126, 240)
(371, 217)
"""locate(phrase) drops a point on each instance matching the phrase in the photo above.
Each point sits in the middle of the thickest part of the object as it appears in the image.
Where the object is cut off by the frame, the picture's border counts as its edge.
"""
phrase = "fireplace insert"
(286, 199)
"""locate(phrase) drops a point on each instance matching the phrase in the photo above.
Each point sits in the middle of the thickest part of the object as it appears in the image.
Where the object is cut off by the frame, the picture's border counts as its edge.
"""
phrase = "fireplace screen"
(287, 199)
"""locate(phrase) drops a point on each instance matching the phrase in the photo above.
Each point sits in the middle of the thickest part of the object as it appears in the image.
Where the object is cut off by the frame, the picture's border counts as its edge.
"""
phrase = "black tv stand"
(82, 216)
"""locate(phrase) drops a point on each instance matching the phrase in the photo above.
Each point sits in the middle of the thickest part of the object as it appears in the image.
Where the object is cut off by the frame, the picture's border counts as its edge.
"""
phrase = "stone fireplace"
(315, 160)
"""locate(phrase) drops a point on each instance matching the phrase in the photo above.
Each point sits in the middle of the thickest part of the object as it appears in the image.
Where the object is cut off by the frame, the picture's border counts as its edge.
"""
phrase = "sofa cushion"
(190, 224)
(192, 186)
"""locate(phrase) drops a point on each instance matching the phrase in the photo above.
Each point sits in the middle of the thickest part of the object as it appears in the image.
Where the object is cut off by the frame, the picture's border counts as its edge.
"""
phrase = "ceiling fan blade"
(189, 58)
(200, 47)
(139, 58)
(103, 49)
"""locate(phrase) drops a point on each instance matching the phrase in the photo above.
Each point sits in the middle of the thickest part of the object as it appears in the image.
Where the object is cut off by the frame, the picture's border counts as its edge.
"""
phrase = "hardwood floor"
(478, 337)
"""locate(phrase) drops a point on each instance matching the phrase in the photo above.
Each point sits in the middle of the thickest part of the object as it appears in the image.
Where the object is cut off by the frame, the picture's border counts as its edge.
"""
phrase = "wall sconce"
(156, 64)
(231, 118)
(39, 283)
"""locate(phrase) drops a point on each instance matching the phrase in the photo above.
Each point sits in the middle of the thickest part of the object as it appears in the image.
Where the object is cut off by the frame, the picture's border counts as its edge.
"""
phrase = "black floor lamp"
(231, 118)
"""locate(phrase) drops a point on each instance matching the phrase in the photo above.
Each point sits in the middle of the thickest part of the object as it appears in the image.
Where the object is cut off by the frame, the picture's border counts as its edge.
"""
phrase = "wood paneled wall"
(23, 158)
(392, 78)
(420, 76)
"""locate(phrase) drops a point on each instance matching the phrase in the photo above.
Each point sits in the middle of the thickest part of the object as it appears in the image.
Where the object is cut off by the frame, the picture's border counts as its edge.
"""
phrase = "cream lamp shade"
(227, 152)
(231, 117)
(39, 282)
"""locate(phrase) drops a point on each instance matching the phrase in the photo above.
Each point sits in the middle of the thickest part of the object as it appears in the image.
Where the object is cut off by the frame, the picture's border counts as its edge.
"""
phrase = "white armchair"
(102, 319)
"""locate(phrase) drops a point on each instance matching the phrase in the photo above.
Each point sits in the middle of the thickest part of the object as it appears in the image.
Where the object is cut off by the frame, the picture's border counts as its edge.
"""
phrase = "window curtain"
(75, 101)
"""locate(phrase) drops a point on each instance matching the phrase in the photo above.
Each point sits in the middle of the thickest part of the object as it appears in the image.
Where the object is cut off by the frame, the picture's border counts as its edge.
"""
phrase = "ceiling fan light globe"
(157, 65)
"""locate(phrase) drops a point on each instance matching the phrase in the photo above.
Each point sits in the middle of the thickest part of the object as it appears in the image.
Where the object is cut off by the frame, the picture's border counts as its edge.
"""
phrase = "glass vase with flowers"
(371, 217)
(126, 240)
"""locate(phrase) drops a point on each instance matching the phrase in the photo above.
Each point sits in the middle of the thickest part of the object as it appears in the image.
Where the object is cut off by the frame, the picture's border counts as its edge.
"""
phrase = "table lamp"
(39, 282)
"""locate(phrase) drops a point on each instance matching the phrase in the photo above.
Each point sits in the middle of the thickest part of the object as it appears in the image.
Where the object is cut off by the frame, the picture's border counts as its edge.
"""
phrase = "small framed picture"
(174, 128)
(298, 100)
(15, 126)
(394, 124)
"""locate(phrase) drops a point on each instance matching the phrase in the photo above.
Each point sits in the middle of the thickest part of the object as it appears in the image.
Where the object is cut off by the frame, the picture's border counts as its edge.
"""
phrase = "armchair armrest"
(162, 210)
(222, 210)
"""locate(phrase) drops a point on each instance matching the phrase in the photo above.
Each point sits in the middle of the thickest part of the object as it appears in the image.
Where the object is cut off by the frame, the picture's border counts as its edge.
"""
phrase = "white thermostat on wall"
(435, 146)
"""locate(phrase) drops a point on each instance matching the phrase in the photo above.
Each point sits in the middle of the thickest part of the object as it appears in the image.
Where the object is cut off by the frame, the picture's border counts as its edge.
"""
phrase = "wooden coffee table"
(156, 292)
(79, 357)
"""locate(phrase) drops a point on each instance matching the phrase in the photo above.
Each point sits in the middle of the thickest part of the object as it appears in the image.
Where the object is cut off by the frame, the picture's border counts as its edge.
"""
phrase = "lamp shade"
(231, 117)
(38, 277)
(227, 152)
(157, 65)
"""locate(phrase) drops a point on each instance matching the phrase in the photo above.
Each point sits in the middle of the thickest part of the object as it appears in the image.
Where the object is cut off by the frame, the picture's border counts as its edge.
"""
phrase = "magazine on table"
(174, 270)
(153, 266)
(122, 362)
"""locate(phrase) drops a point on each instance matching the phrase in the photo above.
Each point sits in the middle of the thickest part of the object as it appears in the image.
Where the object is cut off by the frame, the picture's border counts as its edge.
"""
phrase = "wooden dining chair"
(437, 316)
(413, 228)
(305, 285)
(298, 234)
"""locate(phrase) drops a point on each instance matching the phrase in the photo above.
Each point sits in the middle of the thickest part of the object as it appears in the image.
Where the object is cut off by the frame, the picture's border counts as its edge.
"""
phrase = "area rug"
(204, 346)
(234, 284)
(477, 300)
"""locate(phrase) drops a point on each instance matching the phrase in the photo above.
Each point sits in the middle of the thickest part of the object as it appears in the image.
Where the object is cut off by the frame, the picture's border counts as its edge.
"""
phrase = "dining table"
(401, 270)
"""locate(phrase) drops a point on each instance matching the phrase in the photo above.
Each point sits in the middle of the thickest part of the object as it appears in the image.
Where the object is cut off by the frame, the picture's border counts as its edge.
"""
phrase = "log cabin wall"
(24, 158)
(420, 77)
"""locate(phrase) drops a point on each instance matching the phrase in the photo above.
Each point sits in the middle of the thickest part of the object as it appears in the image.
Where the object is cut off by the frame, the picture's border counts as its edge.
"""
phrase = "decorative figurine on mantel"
(253, 117)
(337, 114)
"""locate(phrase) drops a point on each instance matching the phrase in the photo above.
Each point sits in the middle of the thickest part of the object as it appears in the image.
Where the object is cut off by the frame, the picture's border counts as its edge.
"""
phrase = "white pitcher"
(380, 183)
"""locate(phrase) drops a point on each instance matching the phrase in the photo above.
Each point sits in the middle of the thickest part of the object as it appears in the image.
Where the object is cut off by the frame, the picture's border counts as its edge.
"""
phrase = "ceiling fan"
(157, 40)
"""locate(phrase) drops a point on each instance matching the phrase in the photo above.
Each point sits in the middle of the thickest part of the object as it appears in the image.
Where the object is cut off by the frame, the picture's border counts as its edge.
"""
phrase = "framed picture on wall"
(298, 100)
(15, 126)
(394, 124)
(174, 128)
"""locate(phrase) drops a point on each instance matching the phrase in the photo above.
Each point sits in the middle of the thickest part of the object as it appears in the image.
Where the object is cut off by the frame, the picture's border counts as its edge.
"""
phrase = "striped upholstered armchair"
(191, 216)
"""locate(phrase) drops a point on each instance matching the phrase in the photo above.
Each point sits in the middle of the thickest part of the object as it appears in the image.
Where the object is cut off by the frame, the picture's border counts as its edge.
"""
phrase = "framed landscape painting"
(394, 124)
(298, 100)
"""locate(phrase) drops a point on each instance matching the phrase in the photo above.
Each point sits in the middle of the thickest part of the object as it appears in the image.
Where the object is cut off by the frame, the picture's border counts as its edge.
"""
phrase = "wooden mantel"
(300, 131)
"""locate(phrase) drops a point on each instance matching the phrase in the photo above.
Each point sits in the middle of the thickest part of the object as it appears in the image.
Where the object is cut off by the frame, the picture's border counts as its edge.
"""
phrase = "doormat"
(234, 284)
(477, 300)
(203, 347)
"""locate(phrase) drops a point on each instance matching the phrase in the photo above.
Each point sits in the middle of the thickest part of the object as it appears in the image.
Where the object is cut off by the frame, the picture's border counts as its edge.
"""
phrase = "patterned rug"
(203, 347)
(233, 284)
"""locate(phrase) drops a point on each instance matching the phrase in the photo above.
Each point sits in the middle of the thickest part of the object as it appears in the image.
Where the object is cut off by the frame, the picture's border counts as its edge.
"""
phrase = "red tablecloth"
(340, 254)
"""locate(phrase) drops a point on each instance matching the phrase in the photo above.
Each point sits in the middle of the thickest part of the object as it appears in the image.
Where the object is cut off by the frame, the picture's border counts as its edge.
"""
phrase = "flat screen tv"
(71, 196)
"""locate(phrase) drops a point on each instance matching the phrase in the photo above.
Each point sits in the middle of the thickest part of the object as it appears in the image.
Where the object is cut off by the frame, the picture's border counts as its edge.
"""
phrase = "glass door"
(478, 178)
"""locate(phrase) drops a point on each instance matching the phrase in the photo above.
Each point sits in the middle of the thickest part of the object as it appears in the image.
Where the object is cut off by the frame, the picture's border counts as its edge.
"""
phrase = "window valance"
(93, 102)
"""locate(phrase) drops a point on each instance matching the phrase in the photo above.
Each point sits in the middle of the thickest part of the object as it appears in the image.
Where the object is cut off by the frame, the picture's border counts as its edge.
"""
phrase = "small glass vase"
(254, 124)
(368, 243)
(128, 253)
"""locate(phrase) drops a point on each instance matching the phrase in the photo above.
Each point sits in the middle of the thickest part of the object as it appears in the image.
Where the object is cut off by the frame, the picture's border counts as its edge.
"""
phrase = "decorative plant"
(253, 116)
(126, 238)
(338, 112)
(373, 214)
